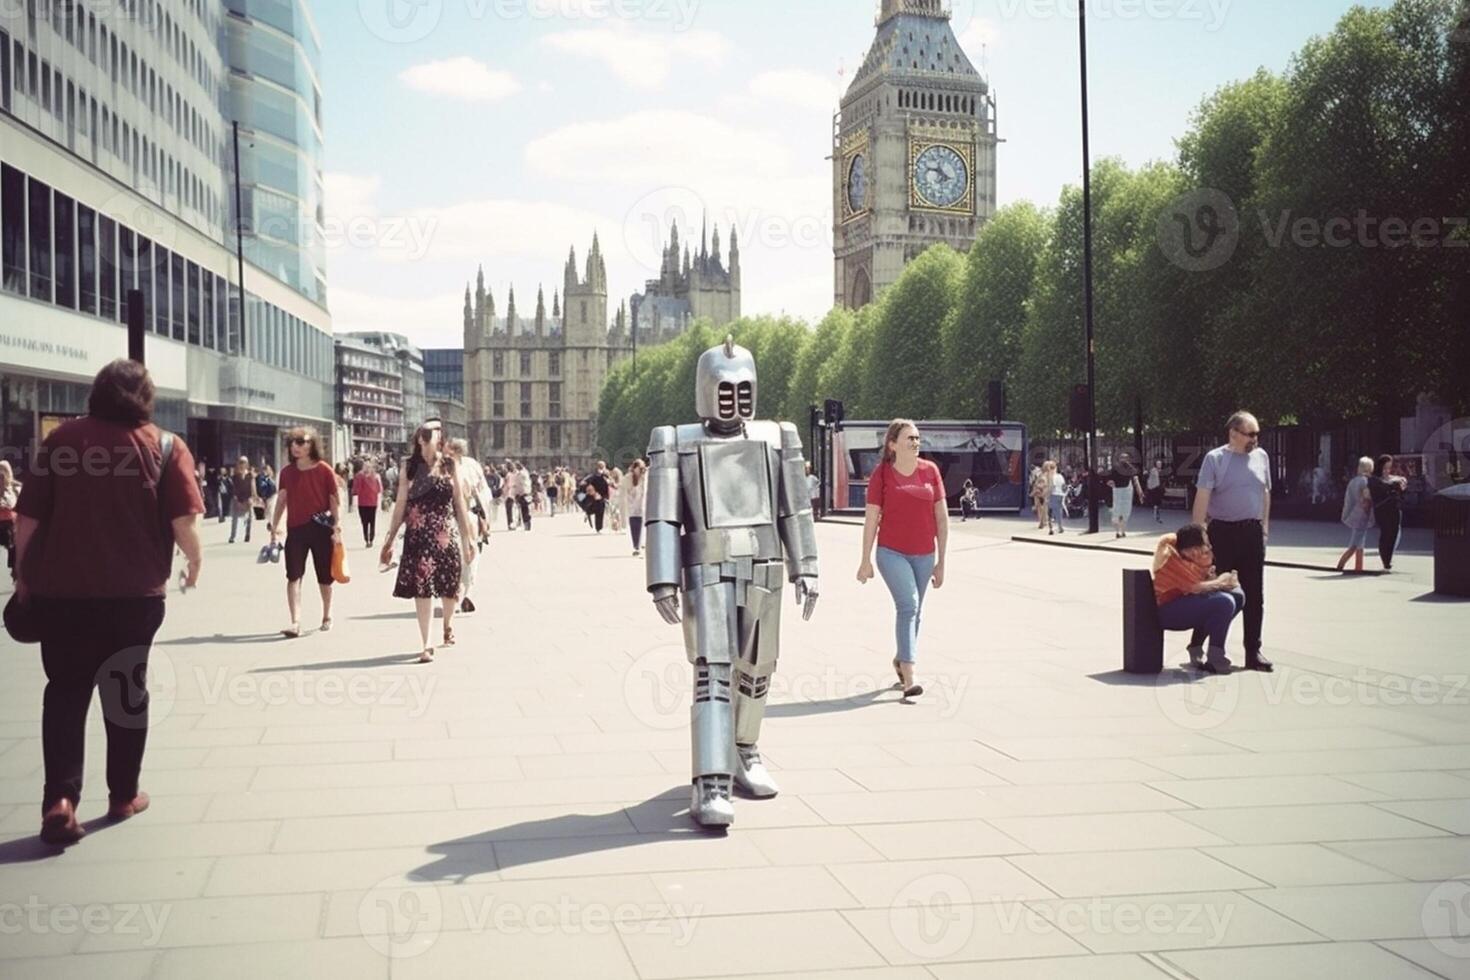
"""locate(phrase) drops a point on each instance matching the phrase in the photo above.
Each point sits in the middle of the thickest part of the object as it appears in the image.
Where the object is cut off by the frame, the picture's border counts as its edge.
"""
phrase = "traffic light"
(834, 411)
(997, 400)
(1081, 408)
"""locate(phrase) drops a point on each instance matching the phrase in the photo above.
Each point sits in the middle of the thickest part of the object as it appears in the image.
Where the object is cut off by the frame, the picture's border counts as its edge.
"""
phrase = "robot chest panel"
(734, 483)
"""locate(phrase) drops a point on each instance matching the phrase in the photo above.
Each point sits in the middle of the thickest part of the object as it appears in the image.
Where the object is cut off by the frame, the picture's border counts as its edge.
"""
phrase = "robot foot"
(710, 803)
(751, 776)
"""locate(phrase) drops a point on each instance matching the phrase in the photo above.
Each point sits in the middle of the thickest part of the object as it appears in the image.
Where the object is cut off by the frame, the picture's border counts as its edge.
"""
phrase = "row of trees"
(1306, 255)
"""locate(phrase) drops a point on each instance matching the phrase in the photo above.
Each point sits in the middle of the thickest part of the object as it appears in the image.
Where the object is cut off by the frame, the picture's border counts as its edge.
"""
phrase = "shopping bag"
(339, 564)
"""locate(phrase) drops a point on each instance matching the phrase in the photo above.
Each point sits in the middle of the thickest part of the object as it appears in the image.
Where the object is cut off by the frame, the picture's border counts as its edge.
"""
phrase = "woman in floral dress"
(437, 543)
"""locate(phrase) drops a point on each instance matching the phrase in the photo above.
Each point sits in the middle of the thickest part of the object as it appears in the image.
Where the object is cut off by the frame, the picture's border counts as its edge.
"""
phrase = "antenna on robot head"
(729, 345)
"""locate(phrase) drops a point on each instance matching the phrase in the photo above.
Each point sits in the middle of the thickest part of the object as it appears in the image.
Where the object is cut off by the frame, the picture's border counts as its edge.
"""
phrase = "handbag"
(340, 575)
(259, 513)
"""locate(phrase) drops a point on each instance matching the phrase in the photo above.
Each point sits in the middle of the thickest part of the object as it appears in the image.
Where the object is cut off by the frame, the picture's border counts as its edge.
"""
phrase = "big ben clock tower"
(913, 158)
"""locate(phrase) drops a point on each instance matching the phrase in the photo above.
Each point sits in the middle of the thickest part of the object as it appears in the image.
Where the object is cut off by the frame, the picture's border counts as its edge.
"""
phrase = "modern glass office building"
(115, 146)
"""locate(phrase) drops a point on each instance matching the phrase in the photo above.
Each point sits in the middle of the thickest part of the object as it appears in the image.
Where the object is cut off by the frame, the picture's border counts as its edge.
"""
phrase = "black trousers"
(369, 516)
(1240, 547)
(1389, 523)
(524, 502)
(598, 513)
(103, 644)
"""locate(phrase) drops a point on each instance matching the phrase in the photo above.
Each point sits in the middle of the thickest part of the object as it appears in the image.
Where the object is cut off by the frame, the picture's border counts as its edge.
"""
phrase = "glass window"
(4, 71)
(498, 363)
(525, 364)
(555, 367)
(192, 289)
(87, 266)
(12, 229)
(159, 267)
(176, 266)
(107, 263)
(206, 287)
(127, 269)
(554, 432)
(526, 432)
(40, 222)
(221, 315)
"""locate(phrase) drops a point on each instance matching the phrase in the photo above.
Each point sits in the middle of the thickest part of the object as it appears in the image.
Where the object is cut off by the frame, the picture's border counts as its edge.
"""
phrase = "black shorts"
(316, 539)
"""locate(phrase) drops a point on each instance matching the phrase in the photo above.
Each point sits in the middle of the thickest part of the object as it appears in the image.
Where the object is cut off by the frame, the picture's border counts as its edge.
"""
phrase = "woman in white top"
(1056, 486)
(633, 489)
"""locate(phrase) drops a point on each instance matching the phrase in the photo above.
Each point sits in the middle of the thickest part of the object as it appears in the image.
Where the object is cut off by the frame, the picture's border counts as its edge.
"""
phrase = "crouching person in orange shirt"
(1191, 596)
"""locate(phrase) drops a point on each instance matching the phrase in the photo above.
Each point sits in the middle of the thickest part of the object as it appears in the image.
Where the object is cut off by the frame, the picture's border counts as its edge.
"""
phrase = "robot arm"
(797, 528)
(661, 522)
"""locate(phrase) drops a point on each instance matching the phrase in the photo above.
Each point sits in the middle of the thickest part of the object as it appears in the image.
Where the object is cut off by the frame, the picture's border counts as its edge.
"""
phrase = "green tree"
(804, 391)
(903, 371)
(843, 375)
(982, 340)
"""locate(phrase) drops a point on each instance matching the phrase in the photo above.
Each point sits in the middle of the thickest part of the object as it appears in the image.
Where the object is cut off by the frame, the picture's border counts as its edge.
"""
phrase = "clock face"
(941, 176)
(857, 183)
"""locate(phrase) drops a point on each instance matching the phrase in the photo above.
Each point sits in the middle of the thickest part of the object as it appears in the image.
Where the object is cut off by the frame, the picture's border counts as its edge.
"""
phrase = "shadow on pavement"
(802, 709)
(186, 641)
(568, 835)
(393, 615)
(387, 660)
(1170, 675)
(32, 848)
(1440, 597)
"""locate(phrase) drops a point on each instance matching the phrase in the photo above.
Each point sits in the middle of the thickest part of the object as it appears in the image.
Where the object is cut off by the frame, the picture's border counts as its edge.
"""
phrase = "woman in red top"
(907, 514)
(368, 489)
(312, 504)
(1191, 596)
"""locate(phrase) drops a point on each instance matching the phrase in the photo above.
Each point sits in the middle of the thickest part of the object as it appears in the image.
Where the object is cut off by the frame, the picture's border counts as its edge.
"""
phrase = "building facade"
(369, 400)
(410, 362)
(914, 151)
(690, 286)
(532, 382)
(113, 183)
(273, 58)
(444, 373)
(452, 417)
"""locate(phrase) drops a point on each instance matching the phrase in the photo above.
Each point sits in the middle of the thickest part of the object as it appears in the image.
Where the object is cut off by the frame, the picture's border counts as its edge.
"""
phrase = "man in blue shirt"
(1234, 499)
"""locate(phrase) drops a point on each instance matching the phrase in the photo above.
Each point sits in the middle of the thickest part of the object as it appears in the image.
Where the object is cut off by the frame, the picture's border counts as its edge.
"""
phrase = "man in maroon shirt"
(308, 497)
(96, 528)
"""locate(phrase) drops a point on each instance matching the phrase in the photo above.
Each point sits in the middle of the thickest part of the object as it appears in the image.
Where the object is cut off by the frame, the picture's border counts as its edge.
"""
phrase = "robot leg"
(760, 643)
(709, 638)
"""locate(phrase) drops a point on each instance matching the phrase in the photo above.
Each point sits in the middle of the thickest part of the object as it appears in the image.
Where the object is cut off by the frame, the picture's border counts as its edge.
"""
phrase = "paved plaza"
(326, 807)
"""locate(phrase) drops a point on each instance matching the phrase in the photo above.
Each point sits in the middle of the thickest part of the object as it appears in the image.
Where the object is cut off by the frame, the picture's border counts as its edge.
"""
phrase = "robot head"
(724, 385)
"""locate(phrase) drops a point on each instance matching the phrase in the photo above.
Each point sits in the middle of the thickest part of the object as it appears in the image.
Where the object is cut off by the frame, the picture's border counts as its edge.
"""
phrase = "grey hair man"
(1234, 499)
(477, 499)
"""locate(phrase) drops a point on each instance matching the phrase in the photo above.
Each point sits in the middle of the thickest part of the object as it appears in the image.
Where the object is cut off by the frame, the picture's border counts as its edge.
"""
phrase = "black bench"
(1143, 637)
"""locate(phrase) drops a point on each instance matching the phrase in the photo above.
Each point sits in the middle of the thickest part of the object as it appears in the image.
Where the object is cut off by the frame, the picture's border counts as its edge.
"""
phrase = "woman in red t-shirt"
(908, 516)
(311, 502)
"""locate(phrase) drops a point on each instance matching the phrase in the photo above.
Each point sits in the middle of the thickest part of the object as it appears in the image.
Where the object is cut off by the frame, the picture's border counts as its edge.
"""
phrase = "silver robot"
(724, 496)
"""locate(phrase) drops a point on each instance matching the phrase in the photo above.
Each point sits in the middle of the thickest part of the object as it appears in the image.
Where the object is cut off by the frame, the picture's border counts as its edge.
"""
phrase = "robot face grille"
(727, 400)
(745, 400)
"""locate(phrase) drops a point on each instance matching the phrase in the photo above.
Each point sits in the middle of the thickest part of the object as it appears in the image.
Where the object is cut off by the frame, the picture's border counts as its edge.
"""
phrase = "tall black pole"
(239, 239)
(1091, 449)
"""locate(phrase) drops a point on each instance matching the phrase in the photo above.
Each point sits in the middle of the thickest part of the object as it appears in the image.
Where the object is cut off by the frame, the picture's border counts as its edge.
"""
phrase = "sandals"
(292, 632)
(327, 624)
(427, 657)
(448, 637)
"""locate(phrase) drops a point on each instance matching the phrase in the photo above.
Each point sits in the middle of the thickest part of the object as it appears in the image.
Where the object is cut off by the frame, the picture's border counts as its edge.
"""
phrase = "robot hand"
(806, 595)
(666, 601)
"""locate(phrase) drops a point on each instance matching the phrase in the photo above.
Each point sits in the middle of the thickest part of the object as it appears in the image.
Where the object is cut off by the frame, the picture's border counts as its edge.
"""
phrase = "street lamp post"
(1091, 447)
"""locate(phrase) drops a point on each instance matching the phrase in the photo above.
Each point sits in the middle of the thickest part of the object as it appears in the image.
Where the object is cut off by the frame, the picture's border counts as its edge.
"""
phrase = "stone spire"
(734, 257)
(510, 313)
(569, 279)
(923, 8)
(556, 304)
(469, 316)
(540, 311)
(716, 250)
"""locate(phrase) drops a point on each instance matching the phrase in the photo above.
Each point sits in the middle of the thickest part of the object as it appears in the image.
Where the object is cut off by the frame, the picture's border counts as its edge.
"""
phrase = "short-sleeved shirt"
(1121, 479)
(908, 525)
(1176, 578)
(366, 488)
(96, 496)
(813, 486)
(1238, 484)
(308, 492)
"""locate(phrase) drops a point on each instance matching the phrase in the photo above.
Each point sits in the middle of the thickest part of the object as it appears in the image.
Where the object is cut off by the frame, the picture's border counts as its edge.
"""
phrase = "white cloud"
(641, 59)
(804, 89)
(461, 78)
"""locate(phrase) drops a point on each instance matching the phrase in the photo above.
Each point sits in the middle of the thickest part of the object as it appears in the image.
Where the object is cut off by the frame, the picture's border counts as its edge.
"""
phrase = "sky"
(501, 133)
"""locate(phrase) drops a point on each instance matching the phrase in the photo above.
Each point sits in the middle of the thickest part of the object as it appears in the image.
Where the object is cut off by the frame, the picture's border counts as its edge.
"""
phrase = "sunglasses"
(298, 440)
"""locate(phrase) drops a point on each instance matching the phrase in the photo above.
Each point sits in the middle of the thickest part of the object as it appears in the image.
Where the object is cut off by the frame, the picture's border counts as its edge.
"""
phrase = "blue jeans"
(907, 577)
(1209, 613)
(1054, 506)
